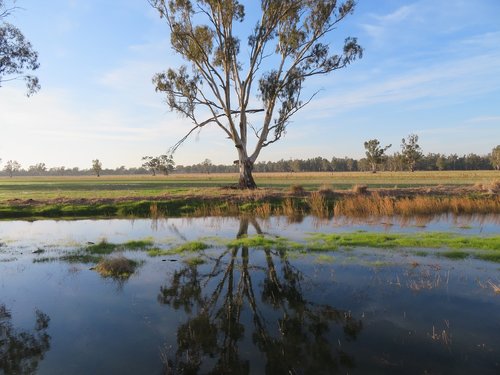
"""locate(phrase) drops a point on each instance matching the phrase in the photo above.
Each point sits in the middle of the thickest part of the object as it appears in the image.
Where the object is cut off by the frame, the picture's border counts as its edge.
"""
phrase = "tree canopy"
(495, 157)
(236, 88)
(411, 151)
(375, 154)
(97, 167)
(17, 55)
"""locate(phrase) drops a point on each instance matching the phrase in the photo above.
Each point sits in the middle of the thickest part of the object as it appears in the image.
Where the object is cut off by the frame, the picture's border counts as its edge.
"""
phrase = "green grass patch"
(194, 261)
(157, 252)
(191, 246)
(187, 247)
(421, 240)
(103, 247)
(489, 256)
(265, 242)
(138, 244)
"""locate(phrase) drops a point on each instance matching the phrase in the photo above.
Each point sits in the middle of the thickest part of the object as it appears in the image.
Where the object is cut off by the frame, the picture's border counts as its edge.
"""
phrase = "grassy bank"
(319, 194)
(316, 204)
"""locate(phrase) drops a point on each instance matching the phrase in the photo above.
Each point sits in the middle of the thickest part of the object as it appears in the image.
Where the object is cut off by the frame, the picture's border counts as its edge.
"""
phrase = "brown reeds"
(264, 210)
(288, 208)
(377, 205)
(318, 205)
(228, 208)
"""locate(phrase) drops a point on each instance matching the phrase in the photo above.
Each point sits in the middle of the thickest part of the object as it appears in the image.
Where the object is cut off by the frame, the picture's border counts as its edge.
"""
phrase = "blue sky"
(430, 67)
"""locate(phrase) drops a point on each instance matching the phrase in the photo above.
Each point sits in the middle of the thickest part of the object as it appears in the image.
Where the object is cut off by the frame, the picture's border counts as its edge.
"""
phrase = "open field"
(289, 194)
(49, 188)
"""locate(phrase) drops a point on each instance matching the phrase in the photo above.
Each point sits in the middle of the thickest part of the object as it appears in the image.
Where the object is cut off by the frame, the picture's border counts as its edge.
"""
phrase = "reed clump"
(264, 210)
(288, 208)
(378, 205)
(318, 205)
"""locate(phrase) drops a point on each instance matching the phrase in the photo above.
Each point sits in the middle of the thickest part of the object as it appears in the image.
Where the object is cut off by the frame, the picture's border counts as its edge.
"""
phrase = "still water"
(244, 310)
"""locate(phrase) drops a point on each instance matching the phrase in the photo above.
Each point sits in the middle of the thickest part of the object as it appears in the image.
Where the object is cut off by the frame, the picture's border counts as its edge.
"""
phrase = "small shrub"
(297, 189)
(326, 190)
(360, 189)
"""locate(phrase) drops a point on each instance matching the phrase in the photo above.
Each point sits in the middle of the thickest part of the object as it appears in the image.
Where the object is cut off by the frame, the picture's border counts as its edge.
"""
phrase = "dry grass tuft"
(495, 287)
(119, 267)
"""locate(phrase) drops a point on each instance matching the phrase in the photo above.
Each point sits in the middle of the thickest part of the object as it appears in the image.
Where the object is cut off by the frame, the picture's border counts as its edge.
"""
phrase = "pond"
(199, 301)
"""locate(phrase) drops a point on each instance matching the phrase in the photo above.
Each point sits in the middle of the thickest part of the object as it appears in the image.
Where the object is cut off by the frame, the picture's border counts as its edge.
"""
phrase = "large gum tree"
(255, 90)
(17, 55)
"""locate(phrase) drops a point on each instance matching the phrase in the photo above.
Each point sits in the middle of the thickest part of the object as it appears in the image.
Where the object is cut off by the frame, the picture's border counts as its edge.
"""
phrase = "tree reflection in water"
(21, 351)
(234, 296)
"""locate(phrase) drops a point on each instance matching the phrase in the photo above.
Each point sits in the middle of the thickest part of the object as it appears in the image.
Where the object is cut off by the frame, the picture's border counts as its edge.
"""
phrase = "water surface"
(245, 310)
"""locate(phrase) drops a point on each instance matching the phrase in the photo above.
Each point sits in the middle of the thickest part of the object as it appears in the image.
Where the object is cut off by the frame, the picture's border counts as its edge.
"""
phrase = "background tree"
(37, 169)
(495, 157)
(441, 162)
(16, 53)
(411, 151)
(159, 164)
(97, 167)
(207, 163)
(375, 154)
(289, 34)
(11, 167)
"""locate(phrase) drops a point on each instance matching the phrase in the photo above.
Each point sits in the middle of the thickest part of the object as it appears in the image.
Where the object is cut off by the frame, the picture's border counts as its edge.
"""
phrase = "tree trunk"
(246, 178)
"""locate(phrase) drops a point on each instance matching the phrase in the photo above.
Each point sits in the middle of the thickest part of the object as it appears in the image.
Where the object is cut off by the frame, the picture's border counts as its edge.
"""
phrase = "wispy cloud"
(452, 80)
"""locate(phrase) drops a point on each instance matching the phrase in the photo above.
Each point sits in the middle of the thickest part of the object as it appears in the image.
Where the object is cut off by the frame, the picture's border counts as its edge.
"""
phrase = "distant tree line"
(398, 161)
